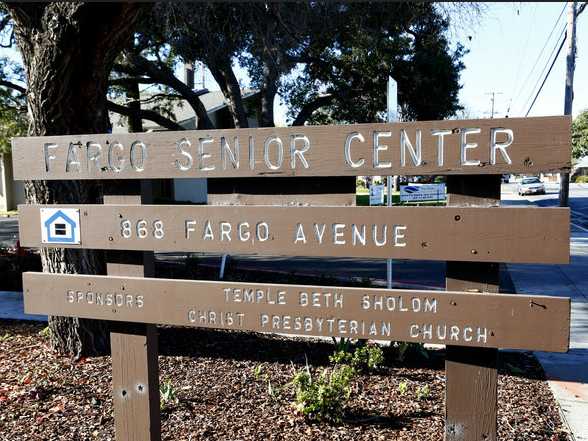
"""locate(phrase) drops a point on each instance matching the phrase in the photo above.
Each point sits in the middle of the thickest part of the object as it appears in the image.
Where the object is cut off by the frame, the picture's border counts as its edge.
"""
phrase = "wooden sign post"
(473, 234)
(134, 349)
(471, 374)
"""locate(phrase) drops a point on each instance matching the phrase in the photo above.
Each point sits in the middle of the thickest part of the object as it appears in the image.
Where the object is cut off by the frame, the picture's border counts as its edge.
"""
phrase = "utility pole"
(564, 187)
(492, 99)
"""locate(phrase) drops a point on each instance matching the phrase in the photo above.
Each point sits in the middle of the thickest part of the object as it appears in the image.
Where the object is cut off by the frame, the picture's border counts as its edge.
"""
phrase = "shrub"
(167, 394)
(323, 397)
(367, 358)
(364, 358)
(581, 180)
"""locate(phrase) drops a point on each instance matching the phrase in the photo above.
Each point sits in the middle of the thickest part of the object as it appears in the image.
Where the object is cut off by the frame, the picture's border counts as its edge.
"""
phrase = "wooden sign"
(531, 235)
(486, 320)
(486, 146)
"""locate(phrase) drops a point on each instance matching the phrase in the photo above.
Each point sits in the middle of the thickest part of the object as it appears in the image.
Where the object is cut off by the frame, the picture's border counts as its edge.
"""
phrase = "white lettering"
(465, 146)
(415, 154)
(494, 145)
(300, 153)
(351, 137)
(377, 148)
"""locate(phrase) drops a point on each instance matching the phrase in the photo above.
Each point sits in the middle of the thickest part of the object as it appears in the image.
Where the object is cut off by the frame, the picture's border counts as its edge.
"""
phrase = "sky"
(510, 49)
(505, 47)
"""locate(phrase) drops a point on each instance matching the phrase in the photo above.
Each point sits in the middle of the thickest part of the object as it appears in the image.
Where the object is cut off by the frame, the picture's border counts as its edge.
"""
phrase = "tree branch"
(163, 75)
(309, 108)
(147, 114)
(14, 86)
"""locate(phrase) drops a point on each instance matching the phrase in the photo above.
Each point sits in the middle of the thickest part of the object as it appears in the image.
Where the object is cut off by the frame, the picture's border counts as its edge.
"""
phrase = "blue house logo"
(60, 226)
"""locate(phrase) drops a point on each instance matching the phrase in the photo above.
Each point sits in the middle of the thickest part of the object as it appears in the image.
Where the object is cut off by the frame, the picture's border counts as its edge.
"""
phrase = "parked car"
(532, 185)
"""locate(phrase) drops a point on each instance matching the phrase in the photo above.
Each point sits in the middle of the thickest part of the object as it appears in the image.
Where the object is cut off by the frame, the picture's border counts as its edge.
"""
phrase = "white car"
(531, 185)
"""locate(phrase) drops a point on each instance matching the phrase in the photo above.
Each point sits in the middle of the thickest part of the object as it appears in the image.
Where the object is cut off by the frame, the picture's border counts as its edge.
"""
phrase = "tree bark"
(268, 94)
(134, 98)
(68, 50)
(226, 79)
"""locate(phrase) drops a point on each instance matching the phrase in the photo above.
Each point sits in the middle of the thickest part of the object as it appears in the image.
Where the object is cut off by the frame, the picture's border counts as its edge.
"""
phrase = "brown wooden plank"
(134, 347)
(538, 144)
(471, 373)
(510, 321)
(435, 233)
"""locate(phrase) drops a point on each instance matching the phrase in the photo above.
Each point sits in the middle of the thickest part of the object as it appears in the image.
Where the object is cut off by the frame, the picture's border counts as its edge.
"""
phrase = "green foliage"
(167, 394)
(13, 118)
(360, 46)
(322, 396)
(45, 332)
(403, 388)
(257, 371)
(423, 392)
(581, 180)
(580, 136)
(362, 359)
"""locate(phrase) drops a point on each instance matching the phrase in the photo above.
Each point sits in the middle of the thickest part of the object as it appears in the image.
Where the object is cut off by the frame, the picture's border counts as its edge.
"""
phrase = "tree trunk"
(68, 50)
(225, 77)
(268, 94)
(134, 98)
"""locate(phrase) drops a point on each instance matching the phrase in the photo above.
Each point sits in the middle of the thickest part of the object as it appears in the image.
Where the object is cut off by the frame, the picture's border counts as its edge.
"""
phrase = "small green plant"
(341, 357)
(168, 394)
(363, 358)
(423, 392)
(45, 332)
(581, 180)
(257, 371)
(323, 397)
(367, 358)
(403, 388)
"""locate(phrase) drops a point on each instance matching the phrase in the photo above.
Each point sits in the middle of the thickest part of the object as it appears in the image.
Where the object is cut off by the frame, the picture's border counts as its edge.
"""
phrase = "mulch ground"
(221, 380)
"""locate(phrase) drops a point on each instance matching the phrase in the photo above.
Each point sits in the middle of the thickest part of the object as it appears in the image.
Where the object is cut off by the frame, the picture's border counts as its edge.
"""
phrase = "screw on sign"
(472, 233)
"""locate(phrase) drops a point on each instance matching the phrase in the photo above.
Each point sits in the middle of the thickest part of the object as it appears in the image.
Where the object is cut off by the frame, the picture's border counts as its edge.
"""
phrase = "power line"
(523, 53)
(548, 72)
(542, 73)
(537, 60)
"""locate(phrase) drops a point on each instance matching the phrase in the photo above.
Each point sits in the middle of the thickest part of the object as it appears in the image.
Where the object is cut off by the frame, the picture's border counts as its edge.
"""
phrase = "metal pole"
(564, 187)
(392, 116)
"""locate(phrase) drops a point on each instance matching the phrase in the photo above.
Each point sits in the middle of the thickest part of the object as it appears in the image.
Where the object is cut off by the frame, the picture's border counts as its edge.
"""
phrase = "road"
(578, 202)
(8, 232)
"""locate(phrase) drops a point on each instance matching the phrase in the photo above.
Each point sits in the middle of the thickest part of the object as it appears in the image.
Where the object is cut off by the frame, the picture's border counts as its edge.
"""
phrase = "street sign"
(376, 194)
(484, 146)
(474, 235)
(532, 322)
(422, 192)
(429, 233)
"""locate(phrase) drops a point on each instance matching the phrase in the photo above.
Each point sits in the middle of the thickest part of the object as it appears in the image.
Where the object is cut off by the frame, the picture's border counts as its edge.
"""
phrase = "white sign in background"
(376, 195)
(60, 226)
(422, 192)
